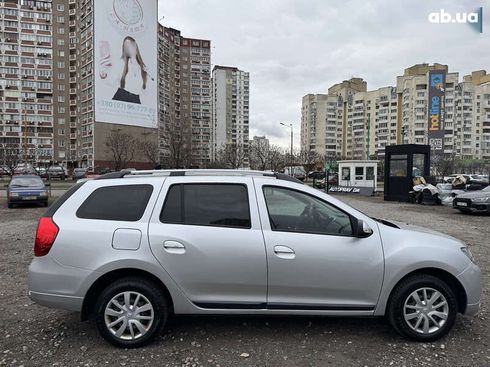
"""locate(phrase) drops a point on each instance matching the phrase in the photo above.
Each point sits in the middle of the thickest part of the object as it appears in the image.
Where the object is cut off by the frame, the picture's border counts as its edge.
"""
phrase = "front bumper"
(467, 205)
(470, 279)
(27, 199)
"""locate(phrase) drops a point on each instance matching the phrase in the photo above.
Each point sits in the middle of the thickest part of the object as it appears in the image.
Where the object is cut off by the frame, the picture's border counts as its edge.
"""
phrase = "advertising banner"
(126, 86)
(437, 85)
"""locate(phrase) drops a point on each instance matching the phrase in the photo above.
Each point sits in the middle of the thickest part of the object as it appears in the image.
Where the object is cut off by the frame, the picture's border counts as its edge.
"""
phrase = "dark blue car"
(24, 189)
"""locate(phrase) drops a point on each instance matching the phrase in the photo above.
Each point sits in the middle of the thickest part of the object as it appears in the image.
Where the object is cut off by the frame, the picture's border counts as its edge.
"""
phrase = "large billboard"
(437, 86)
(126, 85)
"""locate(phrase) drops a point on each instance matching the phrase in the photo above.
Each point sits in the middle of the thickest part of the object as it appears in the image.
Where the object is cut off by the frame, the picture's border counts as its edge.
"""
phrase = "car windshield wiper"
(385, 222)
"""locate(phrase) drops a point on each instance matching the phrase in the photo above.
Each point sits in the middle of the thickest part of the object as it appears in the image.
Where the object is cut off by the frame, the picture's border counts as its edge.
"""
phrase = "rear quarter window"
(121, 203)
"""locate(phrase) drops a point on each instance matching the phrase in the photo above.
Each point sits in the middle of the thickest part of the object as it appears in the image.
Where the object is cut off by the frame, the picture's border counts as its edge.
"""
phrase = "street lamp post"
(290, 126)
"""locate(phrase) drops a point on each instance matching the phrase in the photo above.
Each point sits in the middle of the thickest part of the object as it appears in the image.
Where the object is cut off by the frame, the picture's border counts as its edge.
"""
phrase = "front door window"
(294, 211)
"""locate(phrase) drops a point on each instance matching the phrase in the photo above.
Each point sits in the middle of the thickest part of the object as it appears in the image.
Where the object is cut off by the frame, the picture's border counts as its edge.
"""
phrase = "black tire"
(400, 294)
(45, 204)
(10, 205)
(153, 294)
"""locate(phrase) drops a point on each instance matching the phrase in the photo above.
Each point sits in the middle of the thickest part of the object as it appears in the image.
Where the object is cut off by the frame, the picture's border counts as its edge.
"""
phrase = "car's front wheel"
(131, 312)
(423, 308)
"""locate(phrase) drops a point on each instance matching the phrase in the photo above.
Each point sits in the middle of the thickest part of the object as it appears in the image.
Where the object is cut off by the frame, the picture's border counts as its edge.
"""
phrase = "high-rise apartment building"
(477, 86)
(230, 114)
(47, 89)
(65, 83)
(464, 109)
(185, 99)
(354, 123)
(26, 81)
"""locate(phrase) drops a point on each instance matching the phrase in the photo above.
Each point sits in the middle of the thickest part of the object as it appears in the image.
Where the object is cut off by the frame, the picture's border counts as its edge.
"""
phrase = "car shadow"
(281, 327)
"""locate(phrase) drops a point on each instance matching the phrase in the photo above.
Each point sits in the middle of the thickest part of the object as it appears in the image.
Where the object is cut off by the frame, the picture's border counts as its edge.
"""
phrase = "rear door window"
(122, 203)
(220, 205)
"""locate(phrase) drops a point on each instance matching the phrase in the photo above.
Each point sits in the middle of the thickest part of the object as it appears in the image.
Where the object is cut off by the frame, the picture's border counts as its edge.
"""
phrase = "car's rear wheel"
(10, 205)
(131, 312)
(423, 308)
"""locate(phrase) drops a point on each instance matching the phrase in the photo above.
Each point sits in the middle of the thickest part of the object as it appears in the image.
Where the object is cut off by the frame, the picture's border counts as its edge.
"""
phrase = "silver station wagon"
(131, 248)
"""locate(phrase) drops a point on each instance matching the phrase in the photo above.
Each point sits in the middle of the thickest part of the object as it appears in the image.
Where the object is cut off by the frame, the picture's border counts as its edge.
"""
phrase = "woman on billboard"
(134, 76)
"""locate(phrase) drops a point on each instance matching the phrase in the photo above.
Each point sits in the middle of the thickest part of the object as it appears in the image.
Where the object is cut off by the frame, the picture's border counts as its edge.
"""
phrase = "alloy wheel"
(426, 310)
(129, 315)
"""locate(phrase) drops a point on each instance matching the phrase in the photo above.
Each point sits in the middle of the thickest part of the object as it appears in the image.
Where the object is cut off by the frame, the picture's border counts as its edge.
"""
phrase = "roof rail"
(198, 172)
(110, 175)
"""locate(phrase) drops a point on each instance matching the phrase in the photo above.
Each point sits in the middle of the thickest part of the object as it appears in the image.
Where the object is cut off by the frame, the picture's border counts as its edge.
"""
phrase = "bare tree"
(122, 148)
(177, 148)
(275, 161)
(259, 154)
(443, 164)
(231, 156)
(308, 159)
(150, 151)
(10, 157)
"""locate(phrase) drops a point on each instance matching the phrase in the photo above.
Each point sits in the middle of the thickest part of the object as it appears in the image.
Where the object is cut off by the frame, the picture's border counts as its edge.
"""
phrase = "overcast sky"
(293, 47)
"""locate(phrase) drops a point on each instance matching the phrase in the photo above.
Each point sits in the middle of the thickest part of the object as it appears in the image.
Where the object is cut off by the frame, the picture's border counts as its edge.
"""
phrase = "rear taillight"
(47, 230)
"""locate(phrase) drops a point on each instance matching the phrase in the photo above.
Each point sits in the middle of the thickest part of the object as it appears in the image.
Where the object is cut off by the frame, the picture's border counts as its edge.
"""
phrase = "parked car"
(129, 248)
(42, 172)
(483, 177)
(56, 172)
(103, 170)
(473, 201)
(24, 169)
(24, 189)
(333, 180)
(316, 175)
(79, 173)
(297, 172)
(4, 171)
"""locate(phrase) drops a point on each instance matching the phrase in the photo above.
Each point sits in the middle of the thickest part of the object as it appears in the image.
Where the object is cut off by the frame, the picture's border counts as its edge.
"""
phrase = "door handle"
(174, 247)
(284, 252)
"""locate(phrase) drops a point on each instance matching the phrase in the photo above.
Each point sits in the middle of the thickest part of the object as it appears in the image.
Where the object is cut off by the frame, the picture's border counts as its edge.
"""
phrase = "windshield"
(26, 182)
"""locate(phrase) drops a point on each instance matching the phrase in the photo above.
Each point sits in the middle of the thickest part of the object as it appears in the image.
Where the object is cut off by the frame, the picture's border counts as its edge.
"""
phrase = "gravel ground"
(36, 336)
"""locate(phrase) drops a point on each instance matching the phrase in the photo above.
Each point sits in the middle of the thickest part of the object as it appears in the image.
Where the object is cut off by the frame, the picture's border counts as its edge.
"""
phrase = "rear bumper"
(53, 285)
(70, 303)
(470, 278)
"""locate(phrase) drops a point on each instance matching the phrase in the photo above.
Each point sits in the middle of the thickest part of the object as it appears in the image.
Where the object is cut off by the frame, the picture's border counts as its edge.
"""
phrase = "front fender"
(409, 251)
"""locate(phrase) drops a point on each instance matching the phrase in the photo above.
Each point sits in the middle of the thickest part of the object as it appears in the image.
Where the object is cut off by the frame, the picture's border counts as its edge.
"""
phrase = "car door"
(314, 262)
(206, 234)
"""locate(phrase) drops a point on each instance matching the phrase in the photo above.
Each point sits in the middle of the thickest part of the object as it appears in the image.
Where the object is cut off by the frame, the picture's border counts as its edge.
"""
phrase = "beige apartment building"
(230, 112)
(351, 122)
(185, 98)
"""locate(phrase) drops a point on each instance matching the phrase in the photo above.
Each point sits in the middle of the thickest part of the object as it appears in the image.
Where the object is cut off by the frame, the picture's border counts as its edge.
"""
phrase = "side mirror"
(361, 229)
